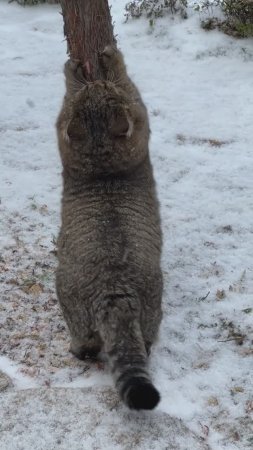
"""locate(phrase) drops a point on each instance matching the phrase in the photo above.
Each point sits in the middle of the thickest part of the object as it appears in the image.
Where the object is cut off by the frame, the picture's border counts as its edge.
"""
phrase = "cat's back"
(114, 219)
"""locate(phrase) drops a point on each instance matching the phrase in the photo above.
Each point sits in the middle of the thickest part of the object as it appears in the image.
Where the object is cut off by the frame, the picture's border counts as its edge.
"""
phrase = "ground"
(198, 88)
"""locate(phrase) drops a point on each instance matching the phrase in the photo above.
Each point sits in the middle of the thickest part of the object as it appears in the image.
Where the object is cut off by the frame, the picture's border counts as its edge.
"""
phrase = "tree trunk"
(88, 29)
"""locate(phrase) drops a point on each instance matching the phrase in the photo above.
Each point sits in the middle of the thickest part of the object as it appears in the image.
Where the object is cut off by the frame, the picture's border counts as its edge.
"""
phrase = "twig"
(239, 338)
(201, 299)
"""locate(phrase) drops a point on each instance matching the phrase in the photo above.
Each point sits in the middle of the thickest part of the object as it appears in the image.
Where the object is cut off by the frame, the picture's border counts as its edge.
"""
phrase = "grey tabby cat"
(109, 281)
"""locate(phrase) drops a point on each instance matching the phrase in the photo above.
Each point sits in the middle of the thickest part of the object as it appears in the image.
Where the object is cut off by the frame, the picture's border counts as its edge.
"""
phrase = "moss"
(245, 30)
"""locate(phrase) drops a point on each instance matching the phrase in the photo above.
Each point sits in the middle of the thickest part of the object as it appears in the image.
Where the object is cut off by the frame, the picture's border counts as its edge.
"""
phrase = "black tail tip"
(141, 394)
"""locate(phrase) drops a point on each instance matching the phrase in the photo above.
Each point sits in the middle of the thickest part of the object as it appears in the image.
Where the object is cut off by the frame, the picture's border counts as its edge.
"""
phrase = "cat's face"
(105, 132)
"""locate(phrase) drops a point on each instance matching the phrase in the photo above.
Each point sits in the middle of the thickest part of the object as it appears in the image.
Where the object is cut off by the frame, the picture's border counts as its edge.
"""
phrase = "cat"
(109, 280)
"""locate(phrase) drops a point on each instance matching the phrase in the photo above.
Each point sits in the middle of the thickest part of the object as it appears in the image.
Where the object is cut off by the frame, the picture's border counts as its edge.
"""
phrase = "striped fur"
(109, 281)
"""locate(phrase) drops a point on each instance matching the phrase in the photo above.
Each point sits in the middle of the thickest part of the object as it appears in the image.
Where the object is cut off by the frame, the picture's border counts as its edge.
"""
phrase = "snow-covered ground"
(198, 87)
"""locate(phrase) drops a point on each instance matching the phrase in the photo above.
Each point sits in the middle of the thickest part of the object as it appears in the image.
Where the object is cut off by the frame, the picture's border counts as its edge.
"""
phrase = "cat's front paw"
(73, 70)
(109, 51)
(110, 56)
(71, 66)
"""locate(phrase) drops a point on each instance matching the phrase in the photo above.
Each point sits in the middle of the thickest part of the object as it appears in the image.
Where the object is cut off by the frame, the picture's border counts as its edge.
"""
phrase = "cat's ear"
(75, 129)
(121, 124)
(74, 77)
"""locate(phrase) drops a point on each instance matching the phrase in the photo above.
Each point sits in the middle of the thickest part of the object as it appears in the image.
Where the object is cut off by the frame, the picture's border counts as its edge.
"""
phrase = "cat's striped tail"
(127, 354)
(136, 389)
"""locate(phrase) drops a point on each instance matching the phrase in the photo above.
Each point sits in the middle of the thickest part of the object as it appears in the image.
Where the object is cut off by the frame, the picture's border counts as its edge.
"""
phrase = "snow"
(198, 88)
(12, 371)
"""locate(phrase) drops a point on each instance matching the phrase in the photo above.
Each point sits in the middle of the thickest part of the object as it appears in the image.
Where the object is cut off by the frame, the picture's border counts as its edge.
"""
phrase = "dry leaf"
(237, 389)
(34, 289)
(220, 294)
(247, 310)
(201, 365)
(12, 281)
(5, 381)
(44, 210)
(249, 407)
(247, 352)
(205, 430)
(29, 371)
(212, 401)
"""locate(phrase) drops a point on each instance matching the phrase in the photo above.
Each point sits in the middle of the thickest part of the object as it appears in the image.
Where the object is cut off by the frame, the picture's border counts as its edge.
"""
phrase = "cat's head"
(104, 131)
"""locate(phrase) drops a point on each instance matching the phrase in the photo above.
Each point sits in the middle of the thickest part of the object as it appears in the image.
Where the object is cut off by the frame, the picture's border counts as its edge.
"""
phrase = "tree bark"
(88, 29)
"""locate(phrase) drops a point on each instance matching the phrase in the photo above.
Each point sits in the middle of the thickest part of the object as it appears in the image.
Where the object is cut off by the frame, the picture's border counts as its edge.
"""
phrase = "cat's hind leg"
(86, 347)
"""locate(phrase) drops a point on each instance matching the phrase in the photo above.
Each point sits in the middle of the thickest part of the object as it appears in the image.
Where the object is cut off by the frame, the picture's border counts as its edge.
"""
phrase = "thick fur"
(109, 281)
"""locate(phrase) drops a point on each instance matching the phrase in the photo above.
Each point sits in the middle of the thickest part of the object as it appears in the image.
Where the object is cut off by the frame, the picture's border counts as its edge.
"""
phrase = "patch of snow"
(11, 369)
